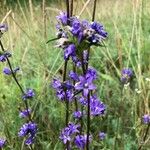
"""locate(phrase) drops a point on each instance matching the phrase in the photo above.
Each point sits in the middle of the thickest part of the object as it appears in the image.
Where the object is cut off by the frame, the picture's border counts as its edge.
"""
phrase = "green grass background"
(31, 24)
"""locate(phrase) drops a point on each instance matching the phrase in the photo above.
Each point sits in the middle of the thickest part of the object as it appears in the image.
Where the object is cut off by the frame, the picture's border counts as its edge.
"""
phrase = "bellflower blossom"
(126, 75)
(146, 119)
(7, 71)
(85, 84)
(96, 106)
(63, 90)
(2, 142)
(77, 114)
(25, 113)
(102, 135)
(80, 141)
(74, 76)
(4, 55)
(29, 130)
(67, 133)
(3, 28)
(29, 94)
(91, 73)
(69, 51)
(62, 18)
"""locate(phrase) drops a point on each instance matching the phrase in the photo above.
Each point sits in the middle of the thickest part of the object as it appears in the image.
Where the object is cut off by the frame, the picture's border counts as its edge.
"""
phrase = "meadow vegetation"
(31, 24)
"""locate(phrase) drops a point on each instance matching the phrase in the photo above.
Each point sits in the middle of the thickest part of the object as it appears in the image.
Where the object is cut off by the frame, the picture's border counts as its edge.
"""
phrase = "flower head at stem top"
(29, 130)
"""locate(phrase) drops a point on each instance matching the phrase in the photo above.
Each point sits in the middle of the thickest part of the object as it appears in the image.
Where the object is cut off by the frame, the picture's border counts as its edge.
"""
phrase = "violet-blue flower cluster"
(126, 75)
(146, 119)
(2, 143)
(68, 132)
(75, 37)
(28, 130)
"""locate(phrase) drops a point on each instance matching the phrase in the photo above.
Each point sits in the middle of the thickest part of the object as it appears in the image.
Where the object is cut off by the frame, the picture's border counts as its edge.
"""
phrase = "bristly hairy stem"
(67, 7)
(76, 103)
(66, 101)
(16, 80)
(84, 72)
(94, 10)
(145, 135)
(88, 122)
(71, 8)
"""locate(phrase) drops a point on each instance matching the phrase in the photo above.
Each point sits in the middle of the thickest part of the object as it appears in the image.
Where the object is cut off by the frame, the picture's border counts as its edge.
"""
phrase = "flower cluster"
(92, 33)
(2, 143)
(28, 130)
(68, 132)
(126, 75)
(146, 119)
(75, 37)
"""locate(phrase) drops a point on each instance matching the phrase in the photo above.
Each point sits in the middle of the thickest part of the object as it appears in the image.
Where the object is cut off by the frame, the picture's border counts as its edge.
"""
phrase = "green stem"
(145, 135)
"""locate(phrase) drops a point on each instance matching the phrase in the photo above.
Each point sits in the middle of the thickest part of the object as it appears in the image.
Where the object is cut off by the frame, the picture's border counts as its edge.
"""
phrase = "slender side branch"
(15, 79)
(145, 135)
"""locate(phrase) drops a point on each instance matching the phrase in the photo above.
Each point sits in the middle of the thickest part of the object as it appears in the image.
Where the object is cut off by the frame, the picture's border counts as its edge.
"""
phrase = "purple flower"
(83, 101)
(7, 71)
(146, 119)
(85, 84)
(102, 135)
(25, 113)
(67, 133)
(77, 29)
(2, 58)
(77, 114)
(56, 84)
(99, 29)
(73, 128)
(96, 107)
(63, 18)
(91, 73)
(73, 76)
(69, 51)
(76, 60)
(29, 130)
(126, 75)
(30, 140)
(28, 94)
(80, 141)
(3, 28)
(2, 142)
